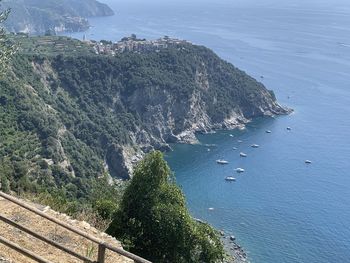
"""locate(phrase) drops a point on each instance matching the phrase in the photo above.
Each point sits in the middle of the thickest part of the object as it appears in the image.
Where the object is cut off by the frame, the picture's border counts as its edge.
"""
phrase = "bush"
(106, 208)
(4, 184)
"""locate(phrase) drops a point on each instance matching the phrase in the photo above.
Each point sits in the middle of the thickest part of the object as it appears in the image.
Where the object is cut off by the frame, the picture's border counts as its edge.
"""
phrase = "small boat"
(239, 170)
(234, 148)
(242, 154)
(268, 131)
(308, 162)
(230, 178)
(231, 135)
(239, 141)
(255, 145)
(211, 208)
(289, 128)
(220, 161)
(209, 145)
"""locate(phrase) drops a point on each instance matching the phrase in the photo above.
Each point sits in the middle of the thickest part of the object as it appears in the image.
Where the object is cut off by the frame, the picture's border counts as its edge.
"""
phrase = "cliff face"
(38, 17)
(87, 114)
(170, 118)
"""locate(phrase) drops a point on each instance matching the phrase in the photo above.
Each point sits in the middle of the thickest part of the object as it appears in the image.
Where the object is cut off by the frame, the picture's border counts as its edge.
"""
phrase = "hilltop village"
(134, 44)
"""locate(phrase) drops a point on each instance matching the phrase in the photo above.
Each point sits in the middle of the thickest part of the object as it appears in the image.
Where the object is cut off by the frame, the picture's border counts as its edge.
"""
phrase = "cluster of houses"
(133, 44)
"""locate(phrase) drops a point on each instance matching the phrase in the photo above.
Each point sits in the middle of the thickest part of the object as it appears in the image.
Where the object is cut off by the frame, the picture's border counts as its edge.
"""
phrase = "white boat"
(289, 128)
(230, 178)
(255, 145)
(308, 162)
(242, 154)
(239, 170)
(220, 161)
(209, 145)
(234, 148)
(239, 141)
(231, 135)
(268, 131)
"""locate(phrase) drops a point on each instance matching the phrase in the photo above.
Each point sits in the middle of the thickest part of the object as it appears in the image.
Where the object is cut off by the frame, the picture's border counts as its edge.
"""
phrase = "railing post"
(101, 253)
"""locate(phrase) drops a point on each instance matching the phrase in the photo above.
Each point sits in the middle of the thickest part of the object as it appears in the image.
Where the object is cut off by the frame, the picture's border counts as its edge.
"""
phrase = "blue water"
(281, 210)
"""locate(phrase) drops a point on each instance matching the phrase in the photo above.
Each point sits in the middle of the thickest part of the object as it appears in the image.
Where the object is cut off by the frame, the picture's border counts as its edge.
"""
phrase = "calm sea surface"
(281, 210)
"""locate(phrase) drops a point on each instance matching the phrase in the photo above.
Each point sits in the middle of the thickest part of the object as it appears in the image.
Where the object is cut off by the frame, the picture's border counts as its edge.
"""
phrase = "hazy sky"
(337, 5)
(246, 2)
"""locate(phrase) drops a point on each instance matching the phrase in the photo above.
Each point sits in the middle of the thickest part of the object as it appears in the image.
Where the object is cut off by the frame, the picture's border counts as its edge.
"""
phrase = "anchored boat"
(230, 178)
(220, 161)
(240, 170)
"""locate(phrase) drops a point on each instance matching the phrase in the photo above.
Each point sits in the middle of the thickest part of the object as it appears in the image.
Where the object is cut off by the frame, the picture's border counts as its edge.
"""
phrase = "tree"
(4, 184)
(7, 49)
(153, 220)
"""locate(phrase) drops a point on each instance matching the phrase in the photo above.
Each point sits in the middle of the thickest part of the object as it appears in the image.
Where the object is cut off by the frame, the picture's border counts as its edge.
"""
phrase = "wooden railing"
(102, 246)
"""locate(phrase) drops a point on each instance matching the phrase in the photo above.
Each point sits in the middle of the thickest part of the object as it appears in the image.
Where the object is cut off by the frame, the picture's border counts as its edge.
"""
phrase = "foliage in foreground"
(153, 220)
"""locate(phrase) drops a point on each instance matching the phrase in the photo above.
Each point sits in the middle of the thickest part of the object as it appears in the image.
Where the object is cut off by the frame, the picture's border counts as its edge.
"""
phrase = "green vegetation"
(153, 220)
(50, 46)
(31, 152)
(67, 114)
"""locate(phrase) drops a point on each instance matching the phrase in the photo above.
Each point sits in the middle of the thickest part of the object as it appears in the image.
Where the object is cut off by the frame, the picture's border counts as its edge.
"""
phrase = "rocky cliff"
(87, 114)
(39, 17)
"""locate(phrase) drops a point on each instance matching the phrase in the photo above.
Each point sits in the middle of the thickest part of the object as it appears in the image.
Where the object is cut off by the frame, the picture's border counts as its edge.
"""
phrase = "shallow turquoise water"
(280, 209)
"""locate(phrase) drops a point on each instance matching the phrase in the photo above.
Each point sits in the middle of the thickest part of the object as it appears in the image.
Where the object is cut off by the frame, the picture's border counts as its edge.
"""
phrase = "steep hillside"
(38, 17)
(69, 118)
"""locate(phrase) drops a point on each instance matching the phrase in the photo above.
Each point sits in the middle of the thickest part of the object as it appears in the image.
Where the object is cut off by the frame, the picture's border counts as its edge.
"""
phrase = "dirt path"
(51, 231)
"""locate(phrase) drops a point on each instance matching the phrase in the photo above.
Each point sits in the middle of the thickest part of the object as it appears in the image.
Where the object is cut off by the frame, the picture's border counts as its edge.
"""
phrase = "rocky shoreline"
(128, 157)
(235, 251)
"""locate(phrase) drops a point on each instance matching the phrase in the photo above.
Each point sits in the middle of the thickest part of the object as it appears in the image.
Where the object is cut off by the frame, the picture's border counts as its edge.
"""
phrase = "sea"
(281, 210)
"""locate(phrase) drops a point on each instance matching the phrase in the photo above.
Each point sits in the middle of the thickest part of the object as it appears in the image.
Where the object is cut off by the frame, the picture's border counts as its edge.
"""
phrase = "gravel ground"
(51, 231)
